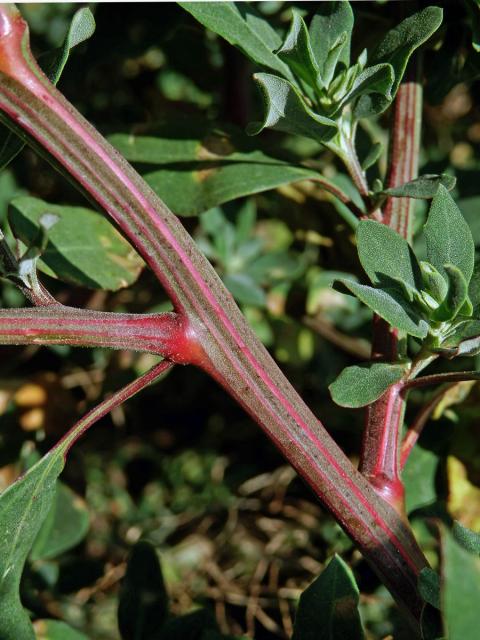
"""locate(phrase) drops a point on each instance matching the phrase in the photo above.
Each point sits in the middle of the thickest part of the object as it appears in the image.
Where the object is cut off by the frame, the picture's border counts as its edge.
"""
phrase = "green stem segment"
(225, 346)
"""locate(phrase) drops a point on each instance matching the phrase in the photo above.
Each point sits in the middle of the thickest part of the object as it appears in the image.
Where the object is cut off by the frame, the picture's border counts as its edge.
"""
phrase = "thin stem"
(441, 378)
(231, 352)
(419, 422)
(355, 211)
(115, 400)
(163, 334)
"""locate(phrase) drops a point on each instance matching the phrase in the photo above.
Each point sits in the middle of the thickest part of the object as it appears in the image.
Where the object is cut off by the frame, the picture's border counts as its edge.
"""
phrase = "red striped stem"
(383, 419)
(231, 352)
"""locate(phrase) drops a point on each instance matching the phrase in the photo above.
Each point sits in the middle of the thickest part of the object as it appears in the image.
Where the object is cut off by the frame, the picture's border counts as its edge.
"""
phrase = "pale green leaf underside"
(390, 306)
(358, 386)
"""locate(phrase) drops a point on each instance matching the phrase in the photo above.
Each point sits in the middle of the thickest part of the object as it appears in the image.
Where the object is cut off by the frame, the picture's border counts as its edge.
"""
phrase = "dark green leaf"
(64, 527)
(242, 27)
(460, 590)
(424, 187)
(193, 626)
(372, 156)
(331, 31)
(81, 28)
(83, 247)
(143, 602)
(383, 252)
(456, 297)
(418, 477)
(429, 586)
(296, 52)
(201, 168)
(360, 385)
(56, 630)
(396, 49)
(448, 237)
(328, 608)
(286, 111)
(468, 539)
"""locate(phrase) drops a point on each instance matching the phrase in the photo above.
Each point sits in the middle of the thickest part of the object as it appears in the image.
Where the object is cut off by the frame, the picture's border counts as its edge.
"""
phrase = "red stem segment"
(383, 420)
(164, 334)
(230, 351)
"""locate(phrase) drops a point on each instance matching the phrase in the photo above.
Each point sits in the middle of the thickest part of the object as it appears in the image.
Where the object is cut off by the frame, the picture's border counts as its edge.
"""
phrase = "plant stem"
(116, 399)
(441, 378)
(163, 334)
(384, 418)
(231, 353)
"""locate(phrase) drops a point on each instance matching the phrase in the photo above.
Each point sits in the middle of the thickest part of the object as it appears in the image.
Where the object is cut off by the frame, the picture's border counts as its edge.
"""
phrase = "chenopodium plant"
(315, 91)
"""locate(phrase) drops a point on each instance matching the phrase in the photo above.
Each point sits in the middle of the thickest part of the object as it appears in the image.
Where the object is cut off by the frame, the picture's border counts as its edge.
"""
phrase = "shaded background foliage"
(181, 465)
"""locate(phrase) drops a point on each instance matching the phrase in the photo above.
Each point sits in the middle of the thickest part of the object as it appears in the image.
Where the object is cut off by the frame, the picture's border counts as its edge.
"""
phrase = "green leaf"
(429, 586)
(200, 167)
(372, 156)
(373, 80)
(418, 477)
(286, 111)
(396, 49)
(460, 590)
(466, 538)
(296, 52)
(65, 526)
(424, 187)
(83, 247)
(81, 28)
(24, 506)
(433, 282)
(383, 252)
(243, 27)
(331, 32)
(390, 306)
(360, 385)
(244, 289)
(464, 341)
(328, 608)
(456, 297)
(448, 237)
(56, 630)
(143, 602)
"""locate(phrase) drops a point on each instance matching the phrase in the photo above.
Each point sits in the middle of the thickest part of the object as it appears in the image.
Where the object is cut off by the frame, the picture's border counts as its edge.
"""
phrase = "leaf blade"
(360, 385)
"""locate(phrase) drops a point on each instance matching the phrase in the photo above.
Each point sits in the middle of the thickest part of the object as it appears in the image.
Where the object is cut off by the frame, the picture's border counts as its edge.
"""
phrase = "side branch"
(164, 334)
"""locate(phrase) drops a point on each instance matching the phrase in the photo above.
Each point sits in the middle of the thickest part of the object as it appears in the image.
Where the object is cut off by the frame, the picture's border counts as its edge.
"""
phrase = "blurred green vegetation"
(182, 466)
